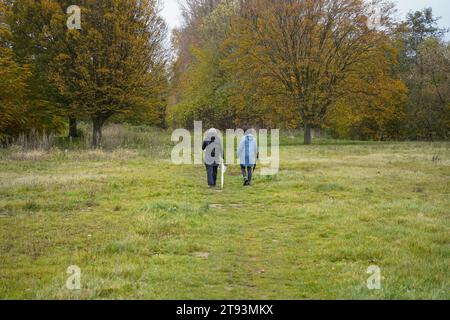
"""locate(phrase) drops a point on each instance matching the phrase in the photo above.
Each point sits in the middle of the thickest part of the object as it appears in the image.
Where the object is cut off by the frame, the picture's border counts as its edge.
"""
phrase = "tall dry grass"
(35, 140)
(118, 140)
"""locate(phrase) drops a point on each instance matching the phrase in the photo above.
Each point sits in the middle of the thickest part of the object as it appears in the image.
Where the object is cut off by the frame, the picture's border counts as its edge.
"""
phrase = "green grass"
(140, 227)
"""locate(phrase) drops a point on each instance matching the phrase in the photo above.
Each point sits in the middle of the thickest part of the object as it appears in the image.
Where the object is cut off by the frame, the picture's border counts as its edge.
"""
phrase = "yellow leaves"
(13, 86)
(294, 51)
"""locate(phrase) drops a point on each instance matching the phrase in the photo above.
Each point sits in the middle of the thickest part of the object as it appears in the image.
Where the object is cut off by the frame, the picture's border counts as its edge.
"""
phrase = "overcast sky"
(441, 8)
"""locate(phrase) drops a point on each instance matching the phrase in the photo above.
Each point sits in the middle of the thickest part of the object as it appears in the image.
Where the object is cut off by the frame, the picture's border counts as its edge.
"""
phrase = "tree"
(424, 69)
(202, 90)
(379, 111)
(308, 49)
(25, 95)
(111, 65)
(13, 81)
(431, 106)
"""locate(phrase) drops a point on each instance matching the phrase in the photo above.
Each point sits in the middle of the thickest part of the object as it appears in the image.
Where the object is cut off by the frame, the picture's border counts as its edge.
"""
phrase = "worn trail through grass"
(140, 227)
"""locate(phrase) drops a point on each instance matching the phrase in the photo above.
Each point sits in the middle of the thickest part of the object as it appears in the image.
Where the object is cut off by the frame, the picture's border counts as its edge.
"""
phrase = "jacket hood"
(212, 133)
(249, 136)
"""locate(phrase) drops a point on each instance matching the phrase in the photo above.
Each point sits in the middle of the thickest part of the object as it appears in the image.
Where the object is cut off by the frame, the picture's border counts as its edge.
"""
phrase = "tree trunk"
(97, 132)
(307, 134)
(73, 130)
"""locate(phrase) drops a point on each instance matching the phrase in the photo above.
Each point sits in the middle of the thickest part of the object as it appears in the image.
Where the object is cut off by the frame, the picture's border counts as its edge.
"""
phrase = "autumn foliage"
(347, 67)
(289, 64)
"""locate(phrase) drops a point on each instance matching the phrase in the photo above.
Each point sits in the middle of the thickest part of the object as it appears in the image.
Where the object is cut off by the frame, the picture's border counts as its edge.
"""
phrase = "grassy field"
(140, 227)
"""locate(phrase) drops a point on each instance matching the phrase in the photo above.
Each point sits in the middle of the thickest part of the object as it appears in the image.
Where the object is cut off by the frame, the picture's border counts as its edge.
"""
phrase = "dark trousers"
(211, 172)
(247, 175)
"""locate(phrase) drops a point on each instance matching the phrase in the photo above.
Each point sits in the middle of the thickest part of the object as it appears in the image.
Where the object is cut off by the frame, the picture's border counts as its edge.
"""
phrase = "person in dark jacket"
(213, 155)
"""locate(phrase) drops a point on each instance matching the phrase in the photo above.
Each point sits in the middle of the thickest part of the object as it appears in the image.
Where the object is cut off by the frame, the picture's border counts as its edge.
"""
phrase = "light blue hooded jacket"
(248, 150)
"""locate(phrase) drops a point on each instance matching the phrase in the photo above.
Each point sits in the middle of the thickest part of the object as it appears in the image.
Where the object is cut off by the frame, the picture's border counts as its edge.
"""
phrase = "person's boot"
(245, 182)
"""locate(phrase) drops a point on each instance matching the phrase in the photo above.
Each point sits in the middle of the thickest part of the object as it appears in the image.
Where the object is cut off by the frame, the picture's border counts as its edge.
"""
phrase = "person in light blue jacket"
(248, 154)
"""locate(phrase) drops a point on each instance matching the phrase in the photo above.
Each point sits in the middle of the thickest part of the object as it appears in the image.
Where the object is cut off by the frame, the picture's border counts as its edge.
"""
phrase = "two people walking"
(247, 153)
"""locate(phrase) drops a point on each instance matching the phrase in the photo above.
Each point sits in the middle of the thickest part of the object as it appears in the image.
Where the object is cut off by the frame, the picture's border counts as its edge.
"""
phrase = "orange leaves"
(13, 90)
(312, 53)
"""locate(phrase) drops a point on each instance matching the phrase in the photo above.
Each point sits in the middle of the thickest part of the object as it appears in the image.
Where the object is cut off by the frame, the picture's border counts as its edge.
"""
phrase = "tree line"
(312, 64)
(346, 66)
(114, 68)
